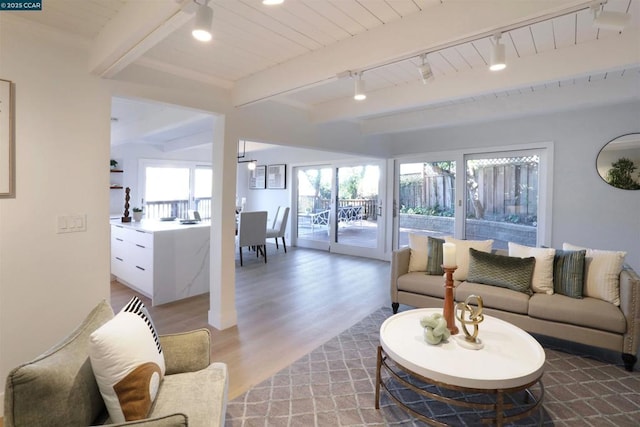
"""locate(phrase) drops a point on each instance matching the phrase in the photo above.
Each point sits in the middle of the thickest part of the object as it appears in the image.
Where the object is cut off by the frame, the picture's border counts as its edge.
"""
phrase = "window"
(505, 195)
(172, 189)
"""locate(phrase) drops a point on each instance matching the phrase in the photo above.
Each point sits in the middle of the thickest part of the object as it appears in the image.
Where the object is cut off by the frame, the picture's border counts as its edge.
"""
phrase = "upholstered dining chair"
(252, 231)
(279, 226)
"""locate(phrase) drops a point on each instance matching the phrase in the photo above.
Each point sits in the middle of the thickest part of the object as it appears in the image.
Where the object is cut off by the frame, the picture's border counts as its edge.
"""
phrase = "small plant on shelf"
(137, 209)
(114, 164)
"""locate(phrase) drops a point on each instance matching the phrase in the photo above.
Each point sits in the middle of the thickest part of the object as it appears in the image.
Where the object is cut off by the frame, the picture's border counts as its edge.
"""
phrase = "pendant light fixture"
(204, 18)
(359, 94)
(497, 54)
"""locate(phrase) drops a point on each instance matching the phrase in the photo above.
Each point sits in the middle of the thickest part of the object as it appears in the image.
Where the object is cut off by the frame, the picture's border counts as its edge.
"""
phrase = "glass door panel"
(357, 210)
(502, 198)
(426, 199)
(313, 215)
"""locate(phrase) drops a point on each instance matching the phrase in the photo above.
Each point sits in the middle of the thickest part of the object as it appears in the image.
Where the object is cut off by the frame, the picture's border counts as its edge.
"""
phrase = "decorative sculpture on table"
(449, 266)
(469, 315)
(127, 197)
(435, 328)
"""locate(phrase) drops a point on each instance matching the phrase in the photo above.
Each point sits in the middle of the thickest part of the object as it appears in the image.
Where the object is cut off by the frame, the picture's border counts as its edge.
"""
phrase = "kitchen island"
(164, 260)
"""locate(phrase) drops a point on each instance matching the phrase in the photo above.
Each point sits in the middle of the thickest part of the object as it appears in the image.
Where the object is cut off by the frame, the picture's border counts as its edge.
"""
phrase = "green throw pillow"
(434, 255)
(568, 272)
(499, 270)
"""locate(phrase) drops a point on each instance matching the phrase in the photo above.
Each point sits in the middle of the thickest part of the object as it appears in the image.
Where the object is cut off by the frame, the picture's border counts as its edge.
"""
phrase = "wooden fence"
(494, 191)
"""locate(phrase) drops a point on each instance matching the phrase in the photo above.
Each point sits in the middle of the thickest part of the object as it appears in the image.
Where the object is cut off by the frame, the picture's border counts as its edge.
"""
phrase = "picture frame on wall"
(257, 178)
(277, 176)
(7, 140)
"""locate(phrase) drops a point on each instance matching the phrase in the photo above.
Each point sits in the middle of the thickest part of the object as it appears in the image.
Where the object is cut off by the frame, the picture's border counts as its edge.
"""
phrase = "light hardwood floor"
(286, 308)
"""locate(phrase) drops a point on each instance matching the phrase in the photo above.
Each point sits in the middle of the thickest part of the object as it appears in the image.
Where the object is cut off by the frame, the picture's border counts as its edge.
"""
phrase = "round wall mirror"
(618, 162)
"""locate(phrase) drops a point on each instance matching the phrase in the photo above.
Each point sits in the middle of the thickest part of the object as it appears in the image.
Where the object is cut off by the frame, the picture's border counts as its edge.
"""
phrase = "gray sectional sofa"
(589, 321)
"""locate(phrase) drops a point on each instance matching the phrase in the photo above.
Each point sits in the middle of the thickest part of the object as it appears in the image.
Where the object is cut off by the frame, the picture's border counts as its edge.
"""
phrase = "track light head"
(426, 73)
(272, 2)
(202, 27)
(498, 54)
(359, 94)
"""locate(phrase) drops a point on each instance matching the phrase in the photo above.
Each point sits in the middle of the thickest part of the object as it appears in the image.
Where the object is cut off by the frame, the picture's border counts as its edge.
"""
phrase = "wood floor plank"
(286, 308)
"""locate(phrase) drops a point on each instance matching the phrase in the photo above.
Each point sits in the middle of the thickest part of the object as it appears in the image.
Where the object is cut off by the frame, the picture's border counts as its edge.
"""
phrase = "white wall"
(50, 281)
(586, 210)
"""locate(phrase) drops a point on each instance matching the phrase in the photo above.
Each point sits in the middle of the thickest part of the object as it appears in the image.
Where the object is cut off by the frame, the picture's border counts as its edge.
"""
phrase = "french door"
(339, 208)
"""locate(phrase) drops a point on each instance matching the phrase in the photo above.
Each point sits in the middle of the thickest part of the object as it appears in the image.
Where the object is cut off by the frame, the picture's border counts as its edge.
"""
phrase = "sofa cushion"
(58, 387)
(201, 395)
(494, 297)
(498, 270)
(462, 254)
(434, 255)
(542, 280)
(602, 273)
(128, 362)
(421, 283)
(588, 312)
(568, 272)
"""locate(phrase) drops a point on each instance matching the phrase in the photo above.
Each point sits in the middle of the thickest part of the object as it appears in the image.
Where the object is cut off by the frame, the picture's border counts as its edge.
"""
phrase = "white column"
(222, 296)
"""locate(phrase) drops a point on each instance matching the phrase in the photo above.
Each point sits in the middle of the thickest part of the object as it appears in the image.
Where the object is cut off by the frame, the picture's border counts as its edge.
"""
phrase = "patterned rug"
(334, 385)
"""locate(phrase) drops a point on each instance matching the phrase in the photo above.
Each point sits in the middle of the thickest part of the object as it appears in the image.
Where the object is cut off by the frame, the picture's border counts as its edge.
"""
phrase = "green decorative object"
(435, 329)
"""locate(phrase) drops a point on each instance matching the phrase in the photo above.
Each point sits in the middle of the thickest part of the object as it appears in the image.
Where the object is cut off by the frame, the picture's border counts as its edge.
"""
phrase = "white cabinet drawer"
(140, 238)
(142, 278)
(118, 266)
(118, 232)
(140, 255)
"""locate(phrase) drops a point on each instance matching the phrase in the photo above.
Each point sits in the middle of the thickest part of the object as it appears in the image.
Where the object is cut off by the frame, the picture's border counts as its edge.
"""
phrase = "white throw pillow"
(462, 254)
(128, 362)
(419, 252)
(601, 273)
(542, 280)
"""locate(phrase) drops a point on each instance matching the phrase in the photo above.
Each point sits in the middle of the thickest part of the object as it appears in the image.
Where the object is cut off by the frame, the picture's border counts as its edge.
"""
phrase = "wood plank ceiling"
(250, 39)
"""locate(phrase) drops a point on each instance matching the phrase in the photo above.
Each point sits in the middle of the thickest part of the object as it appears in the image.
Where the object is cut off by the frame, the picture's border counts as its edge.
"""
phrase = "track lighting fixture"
(272, 2)
(497, 54)
(425, 69)
(204, 18)
(359, 94)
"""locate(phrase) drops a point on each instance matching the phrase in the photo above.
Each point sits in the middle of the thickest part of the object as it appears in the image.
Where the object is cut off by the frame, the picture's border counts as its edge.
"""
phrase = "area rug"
(334, 385)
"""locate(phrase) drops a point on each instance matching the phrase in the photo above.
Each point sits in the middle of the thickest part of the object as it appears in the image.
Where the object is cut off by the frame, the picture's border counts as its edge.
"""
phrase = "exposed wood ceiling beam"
(582, 59)
(435, 26)
(137, 28)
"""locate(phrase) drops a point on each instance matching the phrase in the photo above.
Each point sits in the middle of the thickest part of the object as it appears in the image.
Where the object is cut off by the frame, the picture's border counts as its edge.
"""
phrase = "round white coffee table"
(510, 361)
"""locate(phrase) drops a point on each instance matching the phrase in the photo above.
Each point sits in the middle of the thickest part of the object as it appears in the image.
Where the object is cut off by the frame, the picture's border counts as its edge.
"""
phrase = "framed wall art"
(7, 141)
(276, 176)
(257, 178)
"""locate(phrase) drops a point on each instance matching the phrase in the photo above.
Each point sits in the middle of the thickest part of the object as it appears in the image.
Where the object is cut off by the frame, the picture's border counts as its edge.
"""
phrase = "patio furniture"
(279, 226)
(252, 231)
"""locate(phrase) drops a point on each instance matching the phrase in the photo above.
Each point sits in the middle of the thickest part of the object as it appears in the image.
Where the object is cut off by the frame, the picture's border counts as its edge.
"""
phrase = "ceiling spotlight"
(204, 18)
(251, 165)
(497, 54)
(605, 20)
(272, 2)
(425, 70)
(359, 94)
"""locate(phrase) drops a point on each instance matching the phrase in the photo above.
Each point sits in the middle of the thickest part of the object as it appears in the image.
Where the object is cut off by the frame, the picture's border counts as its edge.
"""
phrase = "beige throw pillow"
(602, 273)
(462, 254)
(542, 280)
(419, 252)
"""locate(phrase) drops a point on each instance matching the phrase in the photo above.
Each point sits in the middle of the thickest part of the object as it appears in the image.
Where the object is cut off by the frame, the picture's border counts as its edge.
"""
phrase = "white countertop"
(155, 225)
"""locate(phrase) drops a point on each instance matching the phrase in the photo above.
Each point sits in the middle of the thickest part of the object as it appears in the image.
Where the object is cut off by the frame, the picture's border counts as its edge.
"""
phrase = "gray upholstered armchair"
(58, 388)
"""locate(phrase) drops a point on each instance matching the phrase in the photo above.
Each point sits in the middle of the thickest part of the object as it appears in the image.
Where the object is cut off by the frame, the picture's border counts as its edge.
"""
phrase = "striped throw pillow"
(434, 255)
(568, 272)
